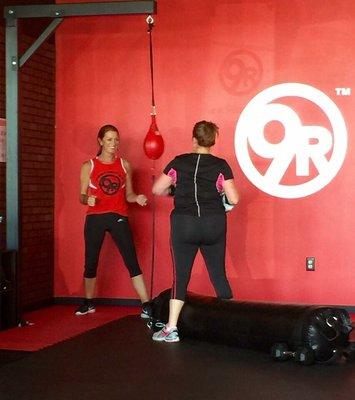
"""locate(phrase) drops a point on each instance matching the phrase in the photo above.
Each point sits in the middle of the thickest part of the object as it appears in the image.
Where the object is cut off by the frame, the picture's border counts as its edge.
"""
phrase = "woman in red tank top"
(106, 187)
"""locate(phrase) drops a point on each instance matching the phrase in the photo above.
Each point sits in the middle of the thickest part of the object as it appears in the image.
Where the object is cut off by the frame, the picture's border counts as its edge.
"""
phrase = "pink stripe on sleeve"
(173, 175)
(219, 182)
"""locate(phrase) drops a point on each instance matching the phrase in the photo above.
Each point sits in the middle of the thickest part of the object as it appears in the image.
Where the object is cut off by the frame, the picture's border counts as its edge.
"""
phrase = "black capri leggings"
(94, 232)
(188, 235)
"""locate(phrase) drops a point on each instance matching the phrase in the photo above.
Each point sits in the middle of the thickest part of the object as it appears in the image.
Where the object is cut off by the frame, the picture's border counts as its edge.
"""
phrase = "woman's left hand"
(141, 200)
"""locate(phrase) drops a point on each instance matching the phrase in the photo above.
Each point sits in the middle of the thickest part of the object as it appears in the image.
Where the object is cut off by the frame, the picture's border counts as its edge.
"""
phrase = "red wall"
(200, 48)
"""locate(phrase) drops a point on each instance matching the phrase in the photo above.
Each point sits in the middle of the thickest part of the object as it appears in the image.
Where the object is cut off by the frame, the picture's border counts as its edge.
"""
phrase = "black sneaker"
(86, 308)
(146, 310)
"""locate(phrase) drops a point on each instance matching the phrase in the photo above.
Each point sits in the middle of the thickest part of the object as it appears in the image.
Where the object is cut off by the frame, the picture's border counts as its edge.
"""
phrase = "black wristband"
(171, 190)
(84, 199)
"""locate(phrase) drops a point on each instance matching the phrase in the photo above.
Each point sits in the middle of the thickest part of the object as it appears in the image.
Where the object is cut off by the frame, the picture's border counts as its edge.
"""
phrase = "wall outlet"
(310, 263)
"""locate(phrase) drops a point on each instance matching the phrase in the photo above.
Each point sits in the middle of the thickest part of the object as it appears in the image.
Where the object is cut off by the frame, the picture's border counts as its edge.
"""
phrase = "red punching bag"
(153, 142)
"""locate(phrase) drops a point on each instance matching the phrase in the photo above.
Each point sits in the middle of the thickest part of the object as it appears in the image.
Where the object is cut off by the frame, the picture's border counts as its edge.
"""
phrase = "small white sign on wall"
(2, 140)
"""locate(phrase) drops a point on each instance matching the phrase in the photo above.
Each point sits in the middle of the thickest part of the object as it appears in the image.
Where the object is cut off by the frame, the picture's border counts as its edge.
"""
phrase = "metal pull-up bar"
(58, 12)
(80, 9)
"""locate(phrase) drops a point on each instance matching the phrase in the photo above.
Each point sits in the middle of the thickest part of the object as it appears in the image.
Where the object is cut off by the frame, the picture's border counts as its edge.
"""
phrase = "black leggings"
(188, 235)
(94, 232)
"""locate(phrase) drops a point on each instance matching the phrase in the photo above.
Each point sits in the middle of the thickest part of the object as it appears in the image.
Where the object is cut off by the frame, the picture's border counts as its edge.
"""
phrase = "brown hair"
(205, 133)
(102, 132)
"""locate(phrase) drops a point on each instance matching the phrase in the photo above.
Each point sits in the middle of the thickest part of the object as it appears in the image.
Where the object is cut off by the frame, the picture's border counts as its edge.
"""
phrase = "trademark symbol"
(343, 91)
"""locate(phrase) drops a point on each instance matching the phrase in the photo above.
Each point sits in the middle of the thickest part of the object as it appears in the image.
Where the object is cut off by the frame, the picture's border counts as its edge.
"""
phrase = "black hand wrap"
(171, 190)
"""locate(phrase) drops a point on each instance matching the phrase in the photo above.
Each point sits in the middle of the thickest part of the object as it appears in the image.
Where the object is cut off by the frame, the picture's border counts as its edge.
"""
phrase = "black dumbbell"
(303, 355)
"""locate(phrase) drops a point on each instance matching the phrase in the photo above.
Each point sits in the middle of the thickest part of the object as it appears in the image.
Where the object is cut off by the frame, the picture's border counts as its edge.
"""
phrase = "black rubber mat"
(9, 356)
(120, 361)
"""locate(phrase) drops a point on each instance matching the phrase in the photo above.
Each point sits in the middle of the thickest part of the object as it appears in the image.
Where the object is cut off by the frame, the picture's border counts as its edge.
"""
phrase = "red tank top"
(108, 184)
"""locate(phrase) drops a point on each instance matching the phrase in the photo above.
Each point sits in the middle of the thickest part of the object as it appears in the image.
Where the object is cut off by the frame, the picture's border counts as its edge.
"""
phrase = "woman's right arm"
(84, 185)
(231, 191)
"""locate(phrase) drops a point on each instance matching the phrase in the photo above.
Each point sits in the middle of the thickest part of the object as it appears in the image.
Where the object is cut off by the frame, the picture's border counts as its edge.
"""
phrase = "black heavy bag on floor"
(259, 325)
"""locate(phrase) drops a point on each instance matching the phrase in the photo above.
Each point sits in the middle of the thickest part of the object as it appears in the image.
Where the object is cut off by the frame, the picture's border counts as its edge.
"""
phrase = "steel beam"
(45, 34)
(12, 149)
(81, 9)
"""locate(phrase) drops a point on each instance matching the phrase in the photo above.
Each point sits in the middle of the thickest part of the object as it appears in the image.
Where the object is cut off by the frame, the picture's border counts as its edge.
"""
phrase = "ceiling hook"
(150, 20)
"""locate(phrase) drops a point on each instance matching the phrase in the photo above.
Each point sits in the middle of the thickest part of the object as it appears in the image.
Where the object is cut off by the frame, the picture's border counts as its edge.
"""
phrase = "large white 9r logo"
(302, 143)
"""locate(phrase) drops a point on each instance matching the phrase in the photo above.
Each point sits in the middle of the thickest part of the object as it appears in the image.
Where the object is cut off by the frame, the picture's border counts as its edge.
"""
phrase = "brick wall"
(37, 114)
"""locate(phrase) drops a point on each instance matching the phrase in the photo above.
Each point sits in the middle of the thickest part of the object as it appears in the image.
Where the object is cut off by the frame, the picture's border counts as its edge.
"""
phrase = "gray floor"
(120, 361)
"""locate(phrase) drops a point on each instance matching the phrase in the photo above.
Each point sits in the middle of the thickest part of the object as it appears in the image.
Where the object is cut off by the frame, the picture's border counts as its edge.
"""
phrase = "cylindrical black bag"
(259, 325)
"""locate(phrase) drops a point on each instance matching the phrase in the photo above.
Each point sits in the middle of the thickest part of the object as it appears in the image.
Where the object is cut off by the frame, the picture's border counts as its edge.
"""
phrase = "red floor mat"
(57, 323)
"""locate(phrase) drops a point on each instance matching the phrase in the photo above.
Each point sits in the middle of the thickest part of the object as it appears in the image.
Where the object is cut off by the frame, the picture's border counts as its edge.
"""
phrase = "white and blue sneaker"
(170, 335)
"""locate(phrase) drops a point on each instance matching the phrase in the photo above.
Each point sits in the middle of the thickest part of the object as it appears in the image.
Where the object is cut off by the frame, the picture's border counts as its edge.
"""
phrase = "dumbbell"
(303, 355)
